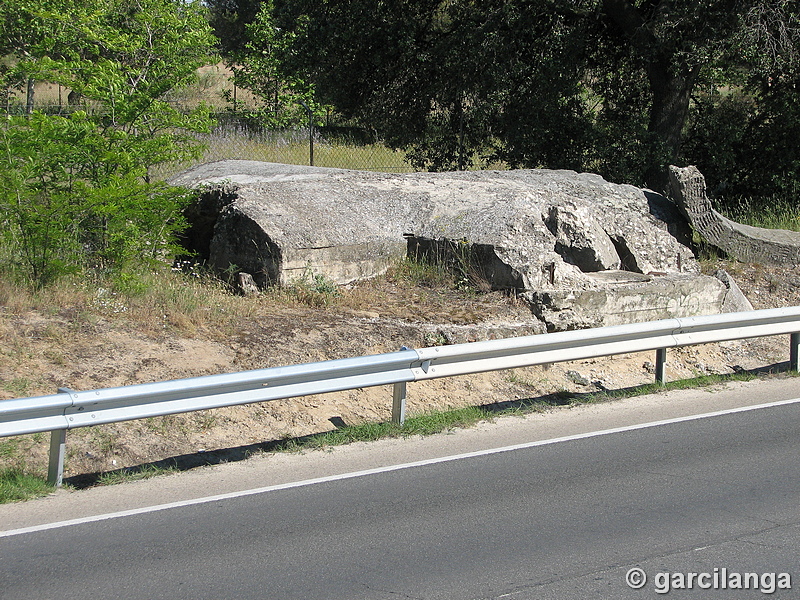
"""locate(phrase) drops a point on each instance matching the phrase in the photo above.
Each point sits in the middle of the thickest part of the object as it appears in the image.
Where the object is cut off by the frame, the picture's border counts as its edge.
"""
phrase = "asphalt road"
(566, 520)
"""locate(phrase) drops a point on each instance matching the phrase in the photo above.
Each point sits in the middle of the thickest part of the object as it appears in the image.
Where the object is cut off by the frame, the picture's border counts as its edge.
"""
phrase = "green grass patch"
(439, 422)
(422, 273)
(309, 289)
(19, 386)
(9, 448)
(769, 213)
(654, 388)
(16, 485)
(135, 474)
(425, 424)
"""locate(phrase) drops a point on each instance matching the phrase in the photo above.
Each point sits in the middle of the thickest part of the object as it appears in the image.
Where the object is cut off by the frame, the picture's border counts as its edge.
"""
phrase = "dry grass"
(151, 302)
(191, 302)
(209, 88)
(292, 147)
(17, 298)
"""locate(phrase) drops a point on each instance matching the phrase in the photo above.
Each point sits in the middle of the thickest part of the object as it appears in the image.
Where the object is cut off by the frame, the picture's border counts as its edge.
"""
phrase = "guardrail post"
(661, 366)
(58, 450)
(399, 403)
(794, 352)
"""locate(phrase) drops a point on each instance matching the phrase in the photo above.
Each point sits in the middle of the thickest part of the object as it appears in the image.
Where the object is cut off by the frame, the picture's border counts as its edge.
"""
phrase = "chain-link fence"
(326, 146)
(236, 137)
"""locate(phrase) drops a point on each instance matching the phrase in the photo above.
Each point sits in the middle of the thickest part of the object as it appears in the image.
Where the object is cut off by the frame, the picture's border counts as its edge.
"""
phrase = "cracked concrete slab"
(545, 234)
(741, 242)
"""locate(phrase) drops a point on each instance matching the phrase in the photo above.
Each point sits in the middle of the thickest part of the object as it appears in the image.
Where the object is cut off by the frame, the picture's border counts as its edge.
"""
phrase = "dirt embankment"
(44, 351)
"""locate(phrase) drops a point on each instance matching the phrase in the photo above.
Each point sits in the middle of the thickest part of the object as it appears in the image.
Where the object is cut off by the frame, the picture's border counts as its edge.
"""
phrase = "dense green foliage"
(229, 20)
(619, 87)
(77, 190)
(284, 98)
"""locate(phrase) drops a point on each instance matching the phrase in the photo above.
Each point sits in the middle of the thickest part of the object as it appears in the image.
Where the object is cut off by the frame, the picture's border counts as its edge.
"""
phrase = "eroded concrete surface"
(582, 251)
(742, 242)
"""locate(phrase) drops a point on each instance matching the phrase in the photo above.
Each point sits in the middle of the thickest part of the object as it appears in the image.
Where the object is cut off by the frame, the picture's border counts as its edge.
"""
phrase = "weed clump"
(16, 486)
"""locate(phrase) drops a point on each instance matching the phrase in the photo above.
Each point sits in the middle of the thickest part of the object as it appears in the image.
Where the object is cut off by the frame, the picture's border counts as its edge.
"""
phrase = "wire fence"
(236, 137)
(327, 146)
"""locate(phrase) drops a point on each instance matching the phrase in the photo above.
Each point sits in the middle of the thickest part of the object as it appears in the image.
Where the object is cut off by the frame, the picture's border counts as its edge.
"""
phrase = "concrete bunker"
(217, 230)
(582, 251)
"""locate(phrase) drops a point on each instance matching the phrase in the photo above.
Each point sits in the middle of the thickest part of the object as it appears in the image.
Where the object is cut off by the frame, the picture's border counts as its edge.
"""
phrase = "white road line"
(387, 469)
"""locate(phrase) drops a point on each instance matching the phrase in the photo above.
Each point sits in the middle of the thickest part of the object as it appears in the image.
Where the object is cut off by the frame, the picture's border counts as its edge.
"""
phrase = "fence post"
(310, 133)
(58, 449)
(399, 403)
(794, 351)
(661, 366)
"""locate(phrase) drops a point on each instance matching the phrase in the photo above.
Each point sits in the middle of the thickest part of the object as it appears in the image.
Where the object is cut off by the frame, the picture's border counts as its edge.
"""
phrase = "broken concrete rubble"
(581, 250)
(742, 242)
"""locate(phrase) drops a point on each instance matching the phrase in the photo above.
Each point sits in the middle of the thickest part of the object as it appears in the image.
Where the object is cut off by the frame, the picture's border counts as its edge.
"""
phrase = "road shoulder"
(274, 469)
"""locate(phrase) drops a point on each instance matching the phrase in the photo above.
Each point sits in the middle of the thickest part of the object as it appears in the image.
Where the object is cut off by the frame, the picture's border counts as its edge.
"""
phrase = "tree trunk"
(668, 112)
(31, 90)
(670, 86)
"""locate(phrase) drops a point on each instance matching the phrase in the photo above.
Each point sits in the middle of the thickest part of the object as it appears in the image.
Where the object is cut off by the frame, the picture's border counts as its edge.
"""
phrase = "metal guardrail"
(69, 409)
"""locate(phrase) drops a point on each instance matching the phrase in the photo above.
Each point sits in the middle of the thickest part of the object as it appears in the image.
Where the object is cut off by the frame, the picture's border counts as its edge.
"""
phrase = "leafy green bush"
(78, 193)
(72, 200)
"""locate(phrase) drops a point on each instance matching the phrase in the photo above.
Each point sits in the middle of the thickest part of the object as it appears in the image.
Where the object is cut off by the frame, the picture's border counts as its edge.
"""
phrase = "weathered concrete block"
(741, 242)
(580, 240)
(556, 237)
(625, 297)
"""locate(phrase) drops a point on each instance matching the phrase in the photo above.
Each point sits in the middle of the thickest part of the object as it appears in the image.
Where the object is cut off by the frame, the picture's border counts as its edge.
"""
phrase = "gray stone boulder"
(583, 251)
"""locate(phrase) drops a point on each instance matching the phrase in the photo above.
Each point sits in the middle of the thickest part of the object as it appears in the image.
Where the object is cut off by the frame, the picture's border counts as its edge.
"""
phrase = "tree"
(679, 46)
(27, 37)
(284, 97)
(229, 20)
(600, 84)
(79, 191)
(743, 136)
